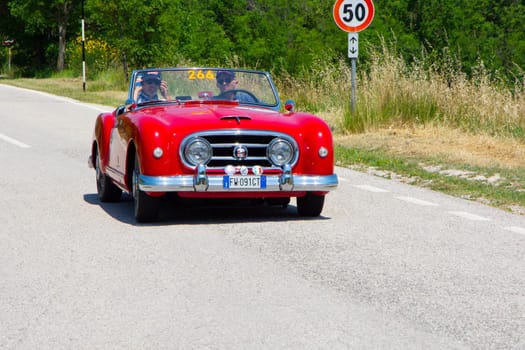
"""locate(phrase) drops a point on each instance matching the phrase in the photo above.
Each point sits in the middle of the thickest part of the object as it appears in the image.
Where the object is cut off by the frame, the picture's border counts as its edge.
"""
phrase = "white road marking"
(516, 229)
(469, 216)
(462, 214)
(370, 188)
(418, 201)
(13, 141)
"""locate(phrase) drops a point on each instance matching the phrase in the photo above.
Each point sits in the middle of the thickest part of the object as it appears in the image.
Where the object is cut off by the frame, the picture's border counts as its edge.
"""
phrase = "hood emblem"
(240, 152)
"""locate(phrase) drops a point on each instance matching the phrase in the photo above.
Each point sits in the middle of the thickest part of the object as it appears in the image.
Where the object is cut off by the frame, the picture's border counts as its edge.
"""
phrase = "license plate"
(248, 182)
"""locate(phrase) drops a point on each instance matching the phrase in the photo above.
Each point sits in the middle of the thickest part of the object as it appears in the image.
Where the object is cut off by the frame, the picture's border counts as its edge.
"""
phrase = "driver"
(226, 82)
(150, 83)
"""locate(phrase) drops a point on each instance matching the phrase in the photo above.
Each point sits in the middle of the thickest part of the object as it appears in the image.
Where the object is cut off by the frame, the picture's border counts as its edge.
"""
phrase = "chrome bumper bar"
(215, 183)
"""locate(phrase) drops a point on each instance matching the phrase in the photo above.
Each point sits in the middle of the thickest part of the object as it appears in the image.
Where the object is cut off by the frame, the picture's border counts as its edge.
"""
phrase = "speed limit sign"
(353, 15)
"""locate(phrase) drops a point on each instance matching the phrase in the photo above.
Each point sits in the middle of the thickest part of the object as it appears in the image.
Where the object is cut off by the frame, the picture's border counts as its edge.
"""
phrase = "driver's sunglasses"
(224, 81)
(151, 82)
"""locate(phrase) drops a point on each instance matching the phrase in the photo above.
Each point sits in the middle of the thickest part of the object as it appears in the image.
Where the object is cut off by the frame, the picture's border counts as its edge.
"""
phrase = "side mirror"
(289, 105)
(120, 110)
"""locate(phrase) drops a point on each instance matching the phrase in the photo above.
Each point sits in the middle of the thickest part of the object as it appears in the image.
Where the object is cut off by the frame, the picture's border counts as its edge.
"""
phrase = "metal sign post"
(353, 52)
(353, 16)
(8, 43)
(83, 52)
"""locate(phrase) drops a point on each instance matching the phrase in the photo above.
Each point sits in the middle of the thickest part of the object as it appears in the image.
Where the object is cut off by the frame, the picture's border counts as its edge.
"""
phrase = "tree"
(269, 34)
(50, 17)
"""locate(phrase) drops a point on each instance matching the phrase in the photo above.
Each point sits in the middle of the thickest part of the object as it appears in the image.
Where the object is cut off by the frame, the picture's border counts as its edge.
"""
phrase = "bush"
(99, 56)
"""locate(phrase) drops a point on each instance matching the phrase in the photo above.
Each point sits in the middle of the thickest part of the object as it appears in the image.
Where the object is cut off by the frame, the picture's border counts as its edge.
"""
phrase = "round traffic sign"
(8, 42)
(353, 15)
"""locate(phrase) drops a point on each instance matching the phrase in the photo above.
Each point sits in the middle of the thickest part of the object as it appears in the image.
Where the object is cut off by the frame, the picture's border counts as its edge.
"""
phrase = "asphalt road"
(387, 266)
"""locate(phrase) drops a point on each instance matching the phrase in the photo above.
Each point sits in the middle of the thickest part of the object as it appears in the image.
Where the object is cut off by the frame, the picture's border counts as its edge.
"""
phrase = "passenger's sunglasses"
(224, 81)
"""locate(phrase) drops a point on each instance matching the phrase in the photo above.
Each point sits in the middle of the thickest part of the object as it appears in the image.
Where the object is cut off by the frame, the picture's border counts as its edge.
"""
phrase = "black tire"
(310, 205)
(106, 189)
(145, 207)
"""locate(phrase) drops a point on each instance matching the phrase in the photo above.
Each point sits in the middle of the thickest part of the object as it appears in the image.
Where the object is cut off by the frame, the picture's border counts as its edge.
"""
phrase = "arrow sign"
(353, 45)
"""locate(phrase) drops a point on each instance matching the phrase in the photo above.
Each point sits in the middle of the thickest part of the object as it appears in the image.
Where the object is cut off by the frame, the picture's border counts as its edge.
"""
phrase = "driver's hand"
(164, 89)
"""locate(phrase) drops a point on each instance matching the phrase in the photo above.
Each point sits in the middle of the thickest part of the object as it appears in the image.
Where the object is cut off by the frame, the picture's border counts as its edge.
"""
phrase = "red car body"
(206, 146)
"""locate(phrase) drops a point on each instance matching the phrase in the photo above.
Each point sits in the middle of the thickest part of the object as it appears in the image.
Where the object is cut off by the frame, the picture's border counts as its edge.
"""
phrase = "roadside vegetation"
(421, 123)
(426, 124)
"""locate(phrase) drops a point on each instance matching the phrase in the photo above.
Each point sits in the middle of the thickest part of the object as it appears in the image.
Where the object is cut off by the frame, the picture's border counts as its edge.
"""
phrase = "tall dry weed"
(392, 92)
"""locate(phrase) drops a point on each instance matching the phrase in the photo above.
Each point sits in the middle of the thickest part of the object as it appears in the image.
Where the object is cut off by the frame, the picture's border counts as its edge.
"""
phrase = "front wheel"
(310, 205)
(145, 207)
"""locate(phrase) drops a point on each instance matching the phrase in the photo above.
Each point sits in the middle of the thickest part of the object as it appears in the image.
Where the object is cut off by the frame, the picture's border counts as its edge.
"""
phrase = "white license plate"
(251, 182)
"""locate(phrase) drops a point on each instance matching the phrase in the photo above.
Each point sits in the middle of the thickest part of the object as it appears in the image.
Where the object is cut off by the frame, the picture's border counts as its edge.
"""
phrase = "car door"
(117, 149)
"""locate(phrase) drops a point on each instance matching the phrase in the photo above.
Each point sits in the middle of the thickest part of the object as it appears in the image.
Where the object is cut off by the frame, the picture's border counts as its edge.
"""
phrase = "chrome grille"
(224, 143)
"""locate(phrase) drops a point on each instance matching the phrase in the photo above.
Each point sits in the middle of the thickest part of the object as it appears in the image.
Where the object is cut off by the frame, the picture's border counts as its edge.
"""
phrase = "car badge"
(240, 152)
(244, 170)
(257, 170)
(229, 170)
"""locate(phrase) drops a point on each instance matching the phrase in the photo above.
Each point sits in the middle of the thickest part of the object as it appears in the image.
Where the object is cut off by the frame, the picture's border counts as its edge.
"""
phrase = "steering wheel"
(235, 92)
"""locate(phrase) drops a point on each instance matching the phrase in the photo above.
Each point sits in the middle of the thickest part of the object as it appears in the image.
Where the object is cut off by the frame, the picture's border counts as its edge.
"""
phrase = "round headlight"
(198, 151)
(280, 152)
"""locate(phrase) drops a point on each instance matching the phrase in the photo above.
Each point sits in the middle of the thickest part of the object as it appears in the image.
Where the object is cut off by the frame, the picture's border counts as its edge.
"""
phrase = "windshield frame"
(212, 72)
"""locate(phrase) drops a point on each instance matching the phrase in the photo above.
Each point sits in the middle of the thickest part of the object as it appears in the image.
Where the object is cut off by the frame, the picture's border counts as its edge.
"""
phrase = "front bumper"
(214, 183)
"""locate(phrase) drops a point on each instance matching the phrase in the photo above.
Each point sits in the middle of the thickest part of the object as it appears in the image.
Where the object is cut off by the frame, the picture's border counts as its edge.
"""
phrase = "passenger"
(150, 84)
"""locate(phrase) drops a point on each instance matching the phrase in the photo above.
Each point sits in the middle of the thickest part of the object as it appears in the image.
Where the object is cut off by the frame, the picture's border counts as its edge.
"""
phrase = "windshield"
(203, 84)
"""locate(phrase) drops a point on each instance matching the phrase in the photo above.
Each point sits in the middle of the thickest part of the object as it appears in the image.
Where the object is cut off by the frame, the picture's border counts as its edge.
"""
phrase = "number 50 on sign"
(353, 15)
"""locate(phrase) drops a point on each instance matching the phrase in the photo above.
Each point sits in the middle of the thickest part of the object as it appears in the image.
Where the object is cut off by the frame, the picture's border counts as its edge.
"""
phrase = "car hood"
(198, 117)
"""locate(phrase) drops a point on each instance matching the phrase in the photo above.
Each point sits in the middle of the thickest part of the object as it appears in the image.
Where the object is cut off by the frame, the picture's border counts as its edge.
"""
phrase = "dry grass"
(421, 110)
(392, 93)
(453, 145)
(424, 93)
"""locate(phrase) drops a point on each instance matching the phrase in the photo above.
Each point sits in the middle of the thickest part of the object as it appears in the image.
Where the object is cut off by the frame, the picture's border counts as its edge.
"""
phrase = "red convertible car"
(211, 133)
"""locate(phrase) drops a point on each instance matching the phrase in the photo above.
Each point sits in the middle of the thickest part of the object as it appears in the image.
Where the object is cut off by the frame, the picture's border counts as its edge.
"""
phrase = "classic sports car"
(210, 133)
